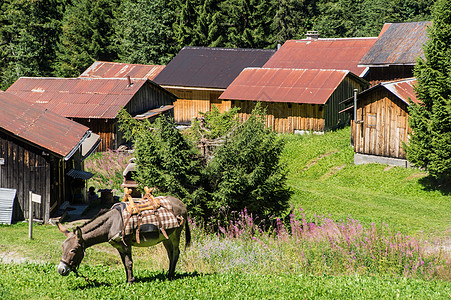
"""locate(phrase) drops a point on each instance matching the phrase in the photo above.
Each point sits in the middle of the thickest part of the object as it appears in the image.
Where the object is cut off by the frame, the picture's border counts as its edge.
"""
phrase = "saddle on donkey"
(147, 214)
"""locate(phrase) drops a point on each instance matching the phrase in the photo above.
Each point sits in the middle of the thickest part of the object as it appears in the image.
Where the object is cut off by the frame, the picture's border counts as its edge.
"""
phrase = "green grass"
(325, 181)
(31, 281)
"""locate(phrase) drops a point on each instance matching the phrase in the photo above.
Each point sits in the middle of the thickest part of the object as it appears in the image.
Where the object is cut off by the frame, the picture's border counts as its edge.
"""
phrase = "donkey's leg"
(126, 257)
(172, 247)
(173, 255)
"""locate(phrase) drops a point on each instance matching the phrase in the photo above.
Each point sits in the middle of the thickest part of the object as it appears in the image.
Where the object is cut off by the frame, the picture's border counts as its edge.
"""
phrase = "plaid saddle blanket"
(162, 218)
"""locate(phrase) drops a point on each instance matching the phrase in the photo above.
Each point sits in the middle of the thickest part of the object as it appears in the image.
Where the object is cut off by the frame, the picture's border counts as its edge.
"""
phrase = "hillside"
(326, 182)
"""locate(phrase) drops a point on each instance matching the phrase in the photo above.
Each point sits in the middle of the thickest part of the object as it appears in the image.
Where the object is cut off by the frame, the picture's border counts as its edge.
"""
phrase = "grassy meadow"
(354, 232)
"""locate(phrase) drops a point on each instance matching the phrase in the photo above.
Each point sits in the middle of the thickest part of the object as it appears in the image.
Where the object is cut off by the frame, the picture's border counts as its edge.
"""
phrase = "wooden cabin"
(393, 56)
(96, 102)
(381, 126)
(199, 75)
(40, 152)
(297, 100)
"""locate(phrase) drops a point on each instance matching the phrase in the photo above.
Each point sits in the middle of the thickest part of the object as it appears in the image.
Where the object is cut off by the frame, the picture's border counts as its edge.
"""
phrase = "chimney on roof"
(278, 45)
(129, 81)
(312, 35)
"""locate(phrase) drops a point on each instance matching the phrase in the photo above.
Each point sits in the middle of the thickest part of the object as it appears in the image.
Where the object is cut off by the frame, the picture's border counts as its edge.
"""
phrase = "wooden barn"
(96, 102)
(322, 53)
(105, 69)
(381, 126)
(394, 54)
(296, 100)
(199, 75)
(40, 151)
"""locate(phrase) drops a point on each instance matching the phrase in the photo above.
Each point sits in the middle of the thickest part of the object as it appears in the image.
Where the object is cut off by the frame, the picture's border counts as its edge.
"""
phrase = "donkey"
(107, 227)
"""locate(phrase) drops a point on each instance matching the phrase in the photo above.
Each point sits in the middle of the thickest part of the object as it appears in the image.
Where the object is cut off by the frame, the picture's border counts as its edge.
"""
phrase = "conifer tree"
(148, 37)
(292, 19)
(184, 27)
(29, 32)
(430, 141)
(87, 35)
(209, 31)
(249, 23)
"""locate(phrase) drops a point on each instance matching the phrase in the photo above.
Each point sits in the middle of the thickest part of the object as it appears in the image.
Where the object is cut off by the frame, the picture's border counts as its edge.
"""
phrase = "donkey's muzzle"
(63, 269)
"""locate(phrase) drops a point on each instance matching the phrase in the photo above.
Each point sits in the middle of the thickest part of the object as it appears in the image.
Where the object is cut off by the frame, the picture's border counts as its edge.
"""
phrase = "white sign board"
(36, 198)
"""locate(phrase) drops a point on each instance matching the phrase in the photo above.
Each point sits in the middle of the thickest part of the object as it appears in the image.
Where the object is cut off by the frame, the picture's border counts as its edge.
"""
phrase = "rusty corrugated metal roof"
(403, 89)
(104, 69)
(337, 54)
(400, 44)
(40, 126)
(207, 67)
(78, 97)
(310, 86)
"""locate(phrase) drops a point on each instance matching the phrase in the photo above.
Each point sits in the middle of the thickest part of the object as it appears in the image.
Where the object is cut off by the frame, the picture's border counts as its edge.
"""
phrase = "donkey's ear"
(62, 229)
(78, 233)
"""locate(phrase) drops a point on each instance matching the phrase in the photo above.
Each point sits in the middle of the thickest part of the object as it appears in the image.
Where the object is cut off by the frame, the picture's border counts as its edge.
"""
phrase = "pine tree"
(246, 172)
(29, 32)
(87, 35)
(430, 142)
(293, 18)
(148, 37)
(249, 23)
(184, 27)
(208, 30)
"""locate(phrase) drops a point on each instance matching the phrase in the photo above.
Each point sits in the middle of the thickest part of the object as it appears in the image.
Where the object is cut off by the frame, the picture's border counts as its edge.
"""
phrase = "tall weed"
(318, 246)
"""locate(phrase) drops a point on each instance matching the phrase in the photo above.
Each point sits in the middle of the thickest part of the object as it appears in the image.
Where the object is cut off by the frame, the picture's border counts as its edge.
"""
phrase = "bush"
(245, 172)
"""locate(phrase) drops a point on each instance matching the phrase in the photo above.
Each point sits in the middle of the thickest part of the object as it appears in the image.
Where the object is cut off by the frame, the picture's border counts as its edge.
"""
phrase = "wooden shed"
(393, 56)
(96, 102)
(381, 125)
(296, 100)
(40, 151)
(199, 75)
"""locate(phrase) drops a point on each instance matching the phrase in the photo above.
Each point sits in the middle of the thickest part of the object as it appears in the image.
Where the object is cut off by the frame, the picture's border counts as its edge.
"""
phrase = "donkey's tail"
(187, 235)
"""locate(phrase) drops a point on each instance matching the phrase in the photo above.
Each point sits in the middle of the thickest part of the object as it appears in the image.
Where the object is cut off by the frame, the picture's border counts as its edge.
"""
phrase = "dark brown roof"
(337, 54)
(38, 125)
(400, 44)
(310, 86)
(210, 67)
(103, 69)
(78, 97)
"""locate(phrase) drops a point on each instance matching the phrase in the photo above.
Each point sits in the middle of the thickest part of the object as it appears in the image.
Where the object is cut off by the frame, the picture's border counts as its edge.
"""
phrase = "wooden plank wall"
(284, 117)
(148, 97)
(26, 169)
(384, 127)
(191, 102)
(106, 128)
(332, 116)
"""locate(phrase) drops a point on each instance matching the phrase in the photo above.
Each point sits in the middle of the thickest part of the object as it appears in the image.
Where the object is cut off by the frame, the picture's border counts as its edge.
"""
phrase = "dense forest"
(63, 37)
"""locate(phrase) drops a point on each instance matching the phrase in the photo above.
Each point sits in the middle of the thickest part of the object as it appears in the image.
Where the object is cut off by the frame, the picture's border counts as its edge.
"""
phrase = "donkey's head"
(73, 250)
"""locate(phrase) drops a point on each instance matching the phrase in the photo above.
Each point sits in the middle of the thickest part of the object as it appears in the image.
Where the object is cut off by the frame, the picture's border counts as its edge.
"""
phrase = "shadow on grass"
(433, 184)
(163, 276)
(91, 283)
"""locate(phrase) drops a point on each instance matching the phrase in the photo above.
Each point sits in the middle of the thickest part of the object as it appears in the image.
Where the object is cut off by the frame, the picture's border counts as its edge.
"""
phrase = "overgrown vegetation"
(62, 38)
(245, 171)
(107, 167)
(430, 143)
